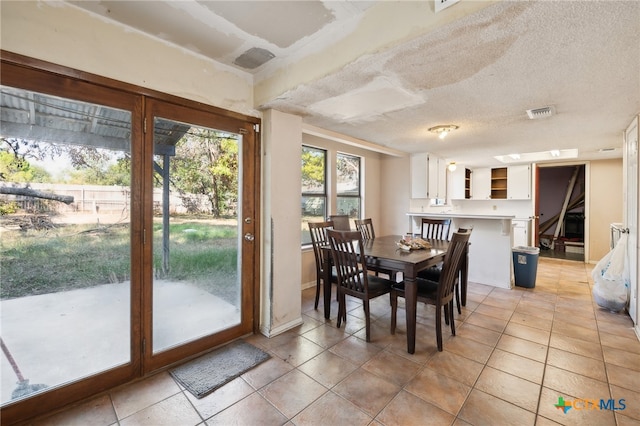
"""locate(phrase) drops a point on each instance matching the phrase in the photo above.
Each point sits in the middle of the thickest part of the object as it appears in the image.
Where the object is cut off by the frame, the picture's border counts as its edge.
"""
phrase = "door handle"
(249, 237)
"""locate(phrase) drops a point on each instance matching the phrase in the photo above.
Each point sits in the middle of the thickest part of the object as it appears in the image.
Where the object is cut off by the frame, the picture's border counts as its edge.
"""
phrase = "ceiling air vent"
(543, 112)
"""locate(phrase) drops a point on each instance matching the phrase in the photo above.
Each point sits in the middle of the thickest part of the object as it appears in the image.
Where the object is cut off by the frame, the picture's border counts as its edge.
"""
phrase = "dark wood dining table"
(383, 252)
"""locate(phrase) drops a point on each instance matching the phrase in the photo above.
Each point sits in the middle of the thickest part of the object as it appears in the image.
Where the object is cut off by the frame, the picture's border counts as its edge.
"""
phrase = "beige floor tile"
(619, 342)
(469, 348)
(625, 359)
(491, 323)
(570, 383)
(266, 372)
(522, 347)
(510, 388)
(368, 391)
(326, 336)
(517, 365)
(499, 309)
(142, 394)
(484, 409)
(328, 368)
(479, 334)
(577, 346)
(297, 350)
(355, 350)
(407, 409)
(392, 367)
(528, 333)
(292, 392)
(577, 363)
(455, 366)
(331, 409)
(575, 331)
(96, 411)
(221, 398)
(253, 410)
(623, 377)
(631, 398)
(171, 411)
(531, 321)
(439, 390)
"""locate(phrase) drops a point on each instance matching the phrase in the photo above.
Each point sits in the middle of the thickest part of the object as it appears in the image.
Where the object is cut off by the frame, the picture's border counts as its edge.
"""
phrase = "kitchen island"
(490, 256)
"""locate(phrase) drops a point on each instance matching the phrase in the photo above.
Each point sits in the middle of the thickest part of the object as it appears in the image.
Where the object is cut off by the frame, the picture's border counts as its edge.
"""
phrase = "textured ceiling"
(386, 74)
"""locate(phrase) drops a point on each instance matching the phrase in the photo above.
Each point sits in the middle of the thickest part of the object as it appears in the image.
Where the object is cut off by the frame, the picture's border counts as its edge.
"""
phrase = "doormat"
(207, 373)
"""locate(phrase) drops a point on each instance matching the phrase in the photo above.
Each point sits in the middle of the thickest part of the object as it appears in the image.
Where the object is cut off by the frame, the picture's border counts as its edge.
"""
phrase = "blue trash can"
(525, 265)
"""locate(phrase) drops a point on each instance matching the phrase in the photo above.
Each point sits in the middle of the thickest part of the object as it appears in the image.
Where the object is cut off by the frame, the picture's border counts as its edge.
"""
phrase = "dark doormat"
(207, 373)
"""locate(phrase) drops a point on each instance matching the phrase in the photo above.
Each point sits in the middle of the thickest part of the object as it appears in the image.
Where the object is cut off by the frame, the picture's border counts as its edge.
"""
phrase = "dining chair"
(440, 293)
(365, 226)
(433, 274)
(437, 229)
(340, 222)
(318, 231)
(353, 277)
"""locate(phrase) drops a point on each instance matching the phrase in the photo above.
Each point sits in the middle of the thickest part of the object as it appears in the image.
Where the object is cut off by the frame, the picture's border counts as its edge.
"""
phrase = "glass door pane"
(196, 280)
(65, 245)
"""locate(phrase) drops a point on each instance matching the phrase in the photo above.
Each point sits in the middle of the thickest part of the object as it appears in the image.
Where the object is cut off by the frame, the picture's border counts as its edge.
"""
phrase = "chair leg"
(439, 327)
(341, 307)
(446, 314)
(457, 289)
(315, 306)
(365, 305)
(453, 325)
(394, 309)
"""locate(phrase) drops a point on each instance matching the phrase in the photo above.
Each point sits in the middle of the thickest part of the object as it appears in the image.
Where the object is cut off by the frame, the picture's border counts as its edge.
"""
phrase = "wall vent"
(543, 112)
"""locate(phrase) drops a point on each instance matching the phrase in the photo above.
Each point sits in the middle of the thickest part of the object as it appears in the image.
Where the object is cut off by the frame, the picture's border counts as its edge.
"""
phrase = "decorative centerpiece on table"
(409, 243)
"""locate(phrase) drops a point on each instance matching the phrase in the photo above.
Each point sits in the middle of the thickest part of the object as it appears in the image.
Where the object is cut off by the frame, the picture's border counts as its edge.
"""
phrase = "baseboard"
(282, 328)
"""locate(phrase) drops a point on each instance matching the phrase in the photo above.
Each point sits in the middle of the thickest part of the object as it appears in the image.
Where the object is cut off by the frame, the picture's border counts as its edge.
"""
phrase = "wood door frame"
(586, 200)
(46, 77)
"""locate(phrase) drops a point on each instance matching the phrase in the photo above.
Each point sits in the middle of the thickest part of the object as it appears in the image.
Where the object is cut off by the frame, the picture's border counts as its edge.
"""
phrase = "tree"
(206, 163)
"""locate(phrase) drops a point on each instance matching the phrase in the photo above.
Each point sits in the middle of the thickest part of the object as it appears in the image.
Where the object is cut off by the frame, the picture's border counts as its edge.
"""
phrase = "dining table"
(383, 252)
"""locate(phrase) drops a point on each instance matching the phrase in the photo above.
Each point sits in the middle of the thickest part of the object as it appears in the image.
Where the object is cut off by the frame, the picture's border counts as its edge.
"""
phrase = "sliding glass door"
(199, 228)
(128, 235)
(66, 241)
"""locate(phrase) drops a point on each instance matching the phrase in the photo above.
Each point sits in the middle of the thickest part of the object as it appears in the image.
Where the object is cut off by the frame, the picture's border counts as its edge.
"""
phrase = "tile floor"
(515, 353)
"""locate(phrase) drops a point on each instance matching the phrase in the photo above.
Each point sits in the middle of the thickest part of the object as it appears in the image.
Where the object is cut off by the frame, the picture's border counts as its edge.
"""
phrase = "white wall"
(281, 217)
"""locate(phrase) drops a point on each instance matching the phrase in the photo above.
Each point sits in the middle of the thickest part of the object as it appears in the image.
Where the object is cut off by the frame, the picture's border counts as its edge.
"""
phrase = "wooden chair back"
(365, 226)
(340, 222)
(435, 228)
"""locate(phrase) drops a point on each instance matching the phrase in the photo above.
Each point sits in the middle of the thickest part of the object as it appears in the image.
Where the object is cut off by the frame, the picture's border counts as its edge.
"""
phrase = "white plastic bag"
(611, 278)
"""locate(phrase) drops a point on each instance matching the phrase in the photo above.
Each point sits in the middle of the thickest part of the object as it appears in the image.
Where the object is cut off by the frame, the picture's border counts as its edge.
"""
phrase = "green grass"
(69, 257)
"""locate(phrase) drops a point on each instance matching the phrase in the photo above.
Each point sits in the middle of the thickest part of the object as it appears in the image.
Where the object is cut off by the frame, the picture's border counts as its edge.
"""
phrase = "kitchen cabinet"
(481, 184)
(519, 182)
(428, 176)
(521, 229)
(498, 183)
(460, 184)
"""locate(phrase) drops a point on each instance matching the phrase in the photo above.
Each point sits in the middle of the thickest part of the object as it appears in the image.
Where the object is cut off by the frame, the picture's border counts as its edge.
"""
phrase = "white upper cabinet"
(481, 184)
(519, 182)
(428, 176)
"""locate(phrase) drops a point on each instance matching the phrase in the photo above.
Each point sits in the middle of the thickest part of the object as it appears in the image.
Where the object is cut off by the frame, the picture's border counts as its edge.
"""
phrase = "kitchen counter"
(462, 216)
(490, 256)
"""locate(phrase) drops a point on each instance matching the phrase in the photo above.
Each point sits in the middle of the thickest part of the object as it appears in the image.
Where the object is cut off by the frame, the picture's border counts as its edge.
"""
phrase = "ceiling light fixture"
(443, 130)
(452, 166)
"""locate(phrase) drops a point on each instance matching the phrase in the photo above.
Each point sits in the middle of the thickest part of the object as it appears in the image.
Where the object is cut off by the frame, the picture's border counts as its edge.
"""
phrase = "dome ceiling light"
(443, 130)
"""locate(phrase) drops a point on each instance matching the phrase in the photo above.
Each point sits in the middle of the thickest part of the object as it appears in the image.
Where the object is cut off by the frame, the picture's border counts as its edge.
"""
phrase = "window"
(314, 188)
(348, 185)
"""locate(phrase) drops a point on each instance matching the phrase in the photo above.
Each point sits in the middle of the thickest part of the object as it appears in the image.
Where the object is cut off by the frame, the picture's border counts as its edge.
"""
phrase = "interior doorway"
(561, 206)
